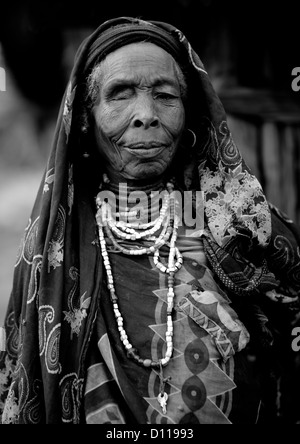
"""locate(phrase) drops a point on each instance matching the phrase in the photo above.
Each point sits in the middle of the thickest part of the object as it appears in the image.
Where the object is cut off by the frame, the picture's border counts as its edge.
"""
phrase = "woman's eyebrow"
(166, 81)
(109, 88)
(132, 81)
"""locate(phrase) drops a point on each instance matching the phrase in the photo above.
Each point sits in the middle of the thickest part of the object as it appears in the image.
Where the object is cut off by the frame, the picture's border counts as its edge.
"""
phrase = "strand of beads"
(104, 217)
(133, 214)
(169, 232)
(171, 278)
(127, 231)
(163, 268)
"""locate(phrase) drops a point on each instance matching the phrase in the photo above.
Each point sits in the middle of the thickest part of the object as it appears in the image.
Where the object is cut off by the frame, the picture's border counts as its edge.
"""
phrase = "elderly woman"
(140, 317)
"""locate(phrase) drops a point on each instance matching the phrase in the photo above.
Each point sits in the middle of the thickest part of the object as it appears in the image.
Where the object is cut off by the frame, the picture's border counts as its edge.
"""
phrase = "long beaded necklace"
(167, 222)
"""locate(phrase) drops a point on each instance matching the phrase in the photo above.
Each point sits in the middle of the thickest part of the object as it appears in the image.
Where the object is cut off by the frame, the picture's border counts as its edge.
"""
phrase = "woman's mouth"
(144, 145)
(145, 149)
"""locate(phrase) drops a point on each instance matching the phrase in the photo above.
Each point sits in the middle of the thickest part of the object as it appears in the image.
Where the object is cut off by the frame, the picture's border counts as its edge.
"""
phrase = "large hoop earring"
(194, 137)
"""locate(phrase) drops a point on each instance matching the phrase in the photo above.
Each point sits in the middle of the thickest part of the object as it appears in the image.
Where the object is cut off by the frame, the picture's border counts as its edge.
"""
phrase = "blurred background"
(249, 50)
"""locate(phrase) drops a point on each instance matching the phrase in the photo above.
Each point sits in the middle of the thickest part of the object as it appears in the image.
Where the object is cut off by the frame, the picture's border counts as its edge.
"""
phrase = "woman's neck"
(115, 181)
(146, 195)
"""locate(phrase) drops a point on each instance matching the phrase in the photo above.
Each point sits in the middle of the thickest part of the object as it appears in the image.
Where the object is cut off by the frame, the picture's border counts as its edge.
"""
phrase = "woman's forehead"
(138, 59)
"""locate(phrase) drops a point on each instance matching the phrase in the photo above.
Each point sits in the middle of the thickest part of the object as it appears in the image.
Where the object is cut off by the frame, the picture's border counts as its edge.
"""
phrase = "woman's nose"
(145, 114)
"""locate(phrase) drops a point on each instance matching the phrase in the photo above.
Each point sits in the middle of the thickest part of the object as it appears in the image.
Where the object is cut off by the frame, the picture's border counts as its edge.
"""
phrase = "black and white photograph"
(149, 215)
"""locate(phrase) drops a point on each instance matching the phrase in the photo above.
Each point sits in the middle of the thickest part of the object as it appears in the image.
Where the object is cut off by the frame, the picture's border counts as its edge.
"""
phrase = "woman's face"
(139, 115)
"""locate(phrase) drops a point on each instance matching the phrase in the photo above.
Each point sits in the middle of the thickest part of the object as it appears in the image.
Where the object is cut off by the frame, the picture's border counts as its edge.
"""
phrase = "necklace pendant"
(162, 400)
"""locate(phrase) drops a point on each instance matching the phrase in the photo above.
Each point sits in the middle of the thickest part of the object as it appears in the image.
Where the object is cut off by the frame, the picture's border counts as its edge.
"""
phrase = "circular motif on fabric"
(34, 278)
(33, 410)
(29, 243)
(190, 418)
(196, 356)
(20, 251)
(229, 152)
(52, 350)
(58, 233)
(194, 393)
(67, 409)
(13, 342)
(33, 413)
(230, 155)
(46, 314)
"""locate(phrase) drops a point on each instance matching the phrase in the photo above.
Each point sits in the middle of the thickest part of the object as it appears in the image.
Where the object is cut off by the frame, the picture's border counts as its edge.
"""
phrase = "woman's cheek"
(112, 120)
(173, 118)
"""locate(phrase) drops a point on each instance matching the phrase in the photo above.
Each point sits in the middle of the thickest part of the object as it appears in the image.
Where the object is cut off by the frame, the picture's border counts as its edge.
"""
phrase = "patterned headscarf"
(58, 274)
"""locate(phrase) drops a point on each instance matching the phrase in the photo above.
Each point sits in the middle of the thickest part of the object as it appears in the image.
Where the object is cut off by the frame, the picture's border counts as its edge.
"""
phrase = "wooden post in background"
(272, 163)
(288, 185)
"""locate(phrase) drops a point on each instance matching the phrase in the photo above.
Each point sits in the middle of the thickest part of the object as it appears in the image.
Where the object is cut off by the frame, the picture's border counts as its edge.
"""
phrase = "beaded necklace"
(117, 231)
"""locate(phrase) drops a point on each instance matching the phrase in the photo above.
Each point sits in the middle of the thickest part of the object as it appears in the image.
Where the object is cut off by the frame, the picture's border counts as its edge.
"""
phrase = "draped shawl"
(58, 273)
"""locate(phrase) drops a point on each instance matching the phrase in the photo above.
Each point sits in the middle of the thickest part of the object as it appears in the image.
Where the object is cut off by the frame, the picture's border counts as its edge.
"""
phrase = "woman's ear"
(185, 164)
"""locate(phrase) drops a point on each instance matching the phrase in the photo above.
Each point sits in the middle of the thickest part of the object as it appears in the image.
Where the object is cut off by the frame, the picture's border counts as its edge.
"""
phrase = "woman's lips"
(144, 145)
(145, 149)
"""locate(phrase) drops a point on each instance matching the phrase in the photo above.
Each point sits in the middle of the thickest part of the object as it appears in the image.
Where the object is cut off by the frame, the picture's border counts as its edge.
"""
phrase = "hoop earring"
(194, 137)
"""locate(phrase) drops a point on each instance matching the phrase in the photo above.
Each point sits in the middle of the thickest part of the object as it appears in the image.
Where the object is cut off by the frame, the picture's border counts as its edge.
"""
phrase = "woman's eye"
(165, 96)
(122, 94)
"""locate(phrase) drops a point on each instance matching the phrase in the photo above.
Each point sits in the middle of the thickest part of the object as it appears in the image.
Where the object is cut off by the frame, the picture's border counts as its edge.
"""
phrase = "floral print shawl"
(58, 273)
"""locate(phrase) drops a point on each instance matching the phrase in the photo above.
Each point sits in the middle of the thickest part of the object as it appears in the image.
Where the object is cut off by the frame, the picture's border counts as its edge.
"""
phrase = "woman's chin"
(146, 171)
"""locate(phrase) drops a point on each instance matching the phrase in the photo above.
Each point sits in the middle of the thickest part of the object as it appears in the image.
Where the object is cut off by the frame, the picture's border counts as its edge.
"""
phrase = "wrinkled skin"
(139, 115)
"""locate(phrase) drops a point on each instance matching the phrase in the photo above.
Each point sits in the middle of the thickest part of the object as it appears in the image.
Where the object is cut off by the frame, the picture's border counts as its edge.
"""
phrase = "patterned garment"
(210, 378)
(58, 293)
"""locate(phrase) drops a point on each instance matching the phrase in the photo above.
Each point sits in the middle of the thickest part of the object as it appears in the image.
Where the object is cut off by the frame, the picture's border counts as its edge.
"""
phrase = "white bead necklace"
(126, 231)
